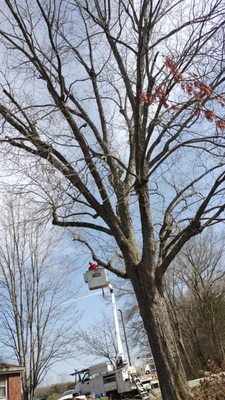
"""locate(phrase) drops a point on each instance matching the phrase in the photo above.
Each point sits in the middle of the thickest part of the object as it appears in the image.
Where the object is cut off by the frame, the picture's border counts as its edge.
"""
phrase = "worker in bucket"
(92, 266)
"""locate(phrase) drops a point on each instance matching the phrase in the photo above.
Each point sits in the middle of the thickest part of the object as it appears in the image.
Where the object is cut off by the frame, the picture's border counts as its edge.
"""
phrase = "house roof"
(10, 368)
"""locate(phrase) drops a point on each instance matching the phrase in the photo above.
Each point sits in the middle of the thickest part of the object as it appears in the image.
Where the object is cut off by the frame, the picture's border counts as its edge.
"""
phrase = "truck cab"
(90, 380)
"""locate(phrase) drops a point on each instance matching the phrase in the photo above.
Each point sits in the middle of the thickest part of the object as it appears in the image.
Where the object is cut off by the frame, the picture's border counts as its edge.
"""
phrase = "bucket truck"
(105, 380)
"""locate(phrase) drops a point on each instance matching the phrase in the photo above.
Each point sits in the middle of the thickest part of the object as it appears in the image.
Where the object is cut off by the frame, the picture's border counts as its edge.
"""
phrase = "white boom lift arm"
(97, 279)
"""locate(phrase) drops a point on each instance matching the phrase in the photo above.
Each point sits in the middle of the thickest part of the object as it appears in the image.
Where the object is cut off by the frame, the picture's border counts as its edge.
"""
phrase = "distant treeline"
(54, 391)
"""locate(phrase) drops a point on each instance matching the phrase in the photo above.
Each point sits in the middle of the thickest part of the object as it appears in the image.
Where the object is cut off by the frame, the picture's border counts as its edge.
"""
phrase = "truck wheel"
(114, 395)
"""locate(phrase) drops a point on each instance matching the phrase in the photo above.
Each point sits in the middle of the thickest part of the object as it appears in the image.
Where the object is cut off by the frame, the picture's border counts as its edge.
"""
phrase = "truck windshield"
(85, 377)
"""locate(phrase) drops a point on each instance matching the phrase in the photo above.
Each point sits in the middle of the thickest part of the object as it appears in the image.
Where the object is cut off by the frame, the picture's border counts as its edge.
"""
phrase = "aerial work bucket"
(96, 277)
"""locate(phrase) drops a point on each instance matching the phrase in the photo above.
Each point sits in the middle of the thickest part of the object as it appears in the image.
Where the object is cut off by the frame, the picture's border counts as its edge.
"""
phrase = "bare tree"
(197, 299)
(99, 340)
(177, 305)
(34, 329)
(123, 100)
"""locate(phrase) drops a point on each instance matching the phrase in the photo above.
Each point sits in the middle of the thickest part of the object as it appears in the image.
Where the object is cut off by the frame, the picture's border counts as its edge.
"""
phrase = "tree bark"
(153, 309)
(188, 365)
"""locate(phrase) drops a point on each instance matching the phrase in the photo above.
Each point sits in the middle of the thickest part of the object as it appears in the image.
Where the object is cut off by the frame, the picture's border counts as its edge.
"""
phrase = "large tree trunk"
(153, 309)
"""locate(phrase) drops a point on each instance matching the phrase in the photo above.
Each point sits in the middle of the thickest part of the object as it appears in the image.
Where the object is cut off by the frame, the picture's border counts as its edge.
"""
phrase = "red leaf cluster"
(209, 115)
(220, 124)
(192, 87)
(169, 63)
(159, 95)
(203, 88)
(187, 87)
(146, 99)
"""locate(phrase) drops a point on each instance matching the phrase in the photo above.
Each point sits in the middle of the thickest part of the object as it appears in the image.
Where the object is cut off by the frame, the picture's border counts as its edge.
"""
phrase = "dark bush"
(211, 388)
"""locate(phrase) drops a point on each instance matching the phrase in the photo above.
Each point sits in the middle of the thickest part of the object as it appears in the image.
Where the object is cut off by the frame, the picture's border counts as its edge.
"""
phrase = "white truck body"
(103, 380)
